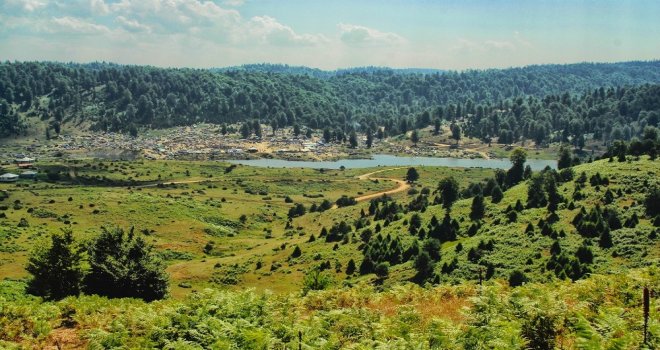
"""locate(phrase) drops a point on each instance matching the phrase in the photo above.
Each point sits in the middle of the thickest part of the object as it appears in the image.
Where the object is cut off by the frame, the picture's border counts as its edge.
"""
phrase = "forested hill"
(315, 72)
(120, 98)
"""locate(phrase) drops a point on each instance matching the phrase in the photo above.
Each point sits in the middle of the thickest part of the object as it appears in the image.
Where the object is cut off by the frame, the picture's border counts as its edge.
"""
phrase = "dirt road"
(401, 185)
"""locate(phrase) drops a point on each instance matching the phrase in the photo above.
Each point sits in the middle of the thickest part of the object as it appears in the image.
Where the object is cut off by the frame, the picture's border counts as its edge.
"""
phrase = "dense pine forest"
(542, 103)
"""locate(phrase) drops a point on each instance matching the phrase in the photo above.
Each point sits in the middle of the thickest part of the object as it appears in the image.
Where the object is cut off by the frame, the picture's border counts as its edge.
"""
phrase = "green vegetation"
(560, 103)
(255, 255)
(597, 313)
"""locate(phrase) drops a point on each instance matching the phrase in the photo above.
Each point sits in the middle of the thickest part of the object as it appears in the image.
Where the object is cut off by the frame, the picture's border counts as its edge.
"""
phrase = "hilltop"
(42, 99)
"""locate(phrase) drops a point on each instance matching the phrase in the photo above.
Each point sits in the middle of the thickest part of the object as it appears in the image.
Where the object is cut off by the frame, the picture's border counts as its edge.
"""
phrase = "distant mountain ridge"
(126, 98)
(320, 73)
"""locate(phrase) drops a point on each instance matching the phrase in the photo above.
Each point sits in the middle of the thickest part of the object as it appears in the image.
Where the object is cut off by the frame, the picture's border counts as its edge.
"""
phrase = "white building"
(8, 177)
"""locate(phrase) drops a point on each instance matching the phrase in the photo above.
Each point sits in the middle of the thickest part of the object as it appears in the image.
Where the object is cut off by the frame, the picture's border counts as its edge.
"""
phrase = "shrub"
(316, 280)
(123, 265)
(56, 270)
(296, 252)
(517, 278)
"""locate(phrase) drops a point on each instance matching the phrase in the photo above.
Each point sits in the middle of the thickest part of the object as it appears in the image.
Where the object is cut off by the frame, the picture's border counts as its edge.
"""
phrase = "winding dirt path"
(401, 185)
(177, 182)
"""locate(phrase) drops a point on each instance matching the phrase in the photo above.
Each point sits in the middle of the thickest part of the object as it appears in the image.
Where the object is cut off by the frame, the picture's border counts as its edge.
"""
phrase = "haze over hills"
(319, 73)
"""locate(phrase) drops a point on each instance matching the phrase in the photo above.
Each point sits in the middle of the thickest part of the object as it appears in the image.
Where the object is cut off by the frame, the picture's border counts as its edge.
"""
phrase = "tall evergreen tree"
(535, 193)
(122, 265)
(515, 174)
(56, 270)
(448, 188)
(412, 175)
(478, 208)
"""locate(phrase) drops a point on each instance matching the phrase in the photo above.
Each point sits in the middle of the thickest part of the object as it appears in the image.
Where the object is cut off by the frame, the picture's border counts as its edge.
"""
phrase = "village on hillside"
(206, 142)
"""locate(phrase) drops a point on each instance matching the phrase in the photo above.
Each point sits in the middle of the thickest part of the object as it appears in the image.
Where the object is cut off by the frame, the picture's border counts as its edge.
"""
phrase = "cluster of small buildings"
(197, 141)
(21, 162)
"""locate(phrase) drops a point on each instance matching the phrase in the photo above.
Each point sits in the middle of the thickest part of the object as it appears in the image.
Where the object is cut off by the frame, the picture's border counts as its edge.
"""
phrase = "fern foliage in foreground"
(600, 312)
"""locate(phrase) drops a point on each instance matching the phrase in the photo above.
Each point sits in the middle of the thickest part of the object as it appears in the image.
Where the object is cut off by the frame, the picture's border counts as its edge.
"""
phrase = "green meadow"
(225, 236)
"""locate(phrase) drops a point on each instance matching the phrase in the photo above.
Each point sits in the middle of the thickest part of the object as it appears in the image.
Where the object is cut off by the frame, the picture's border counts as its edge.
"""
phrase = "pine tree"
(517, 278)
(350, 267)
(550, 187)
(424, 266)
(515, 174)
(414, 137)
(605, 240)
(382, 270)
(535, 193)
(296, 252)
(353, 141)
(478, 208)
(565, 158)
(448, 188)
(123, 265)
(56, 270)
(412, 175)
(496, 194)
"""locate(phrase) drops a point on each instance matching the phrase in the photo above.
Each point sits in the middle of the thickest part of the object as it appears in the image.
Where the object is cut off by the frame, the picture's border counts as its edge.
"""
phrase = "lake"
(389, 160)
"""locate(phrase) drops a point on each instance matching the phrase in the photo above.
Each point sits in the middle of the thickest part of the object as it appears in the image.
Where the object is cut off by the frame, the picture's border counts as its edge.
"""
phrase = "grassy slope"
(399, 315)
(179, 215)
(513, 247)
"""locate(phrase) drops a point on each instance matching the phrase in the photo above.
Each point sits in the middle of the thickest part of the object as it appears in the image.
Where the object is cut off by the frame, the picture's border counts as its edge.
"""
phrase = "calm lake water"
(389, 160)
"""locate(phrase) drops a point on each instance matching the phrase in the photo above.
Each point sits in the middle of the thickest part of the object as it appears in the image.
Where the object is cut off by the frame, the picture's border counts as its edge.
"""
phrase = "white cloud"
(234, 3)
(178, 15)
(357, 35)
(99, 7)
(73, 25)
(463, 44)
(268, 30)
(132, 25)
(80, 8)
(26, 5)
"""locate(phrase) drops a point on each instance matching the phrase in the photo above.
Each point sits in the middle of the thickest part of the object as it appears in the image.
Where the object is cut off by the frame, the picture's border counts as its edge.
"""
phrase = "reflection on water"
(389, 160)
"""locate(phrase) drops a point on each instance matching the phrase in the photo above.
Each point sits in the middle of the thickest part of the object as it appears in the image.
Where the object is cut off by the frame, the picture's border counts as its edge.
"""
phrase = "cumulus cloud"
(99, 7)
(25, 5)
(178, 15)
(132, 25)
(81, 8)
(268, 30)
(73, 25)
(357, 35)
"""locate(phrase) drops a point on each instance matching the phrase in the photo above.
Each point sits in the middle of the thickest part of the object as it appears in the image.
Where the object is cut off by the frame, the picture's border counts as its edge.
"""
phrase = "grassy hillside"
(227, 229)
(515, 249)
(208, 202)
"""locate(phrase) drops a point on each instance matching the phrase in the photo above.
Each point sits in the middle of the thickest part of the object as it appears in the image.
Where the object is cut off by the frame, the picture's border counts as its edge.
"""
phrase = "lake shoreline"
(380, 160)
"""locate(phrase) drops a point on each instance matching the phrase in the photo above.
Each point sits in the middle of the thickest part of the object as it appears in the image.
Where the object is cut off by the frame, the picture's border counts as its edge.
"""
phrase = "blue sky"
(330, 34)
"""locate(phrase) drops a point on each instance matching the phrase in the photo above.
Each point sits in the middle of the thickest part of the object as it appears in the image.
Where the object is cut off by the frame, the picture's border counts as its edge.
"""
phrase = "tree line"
(535, 102)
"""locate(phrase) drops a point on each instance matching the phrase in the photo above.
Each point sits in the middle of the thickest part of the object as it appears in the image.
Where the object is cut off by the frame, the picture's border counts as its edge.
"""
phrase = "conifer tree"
(123, 265)
(478, 209)
(56, 270)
